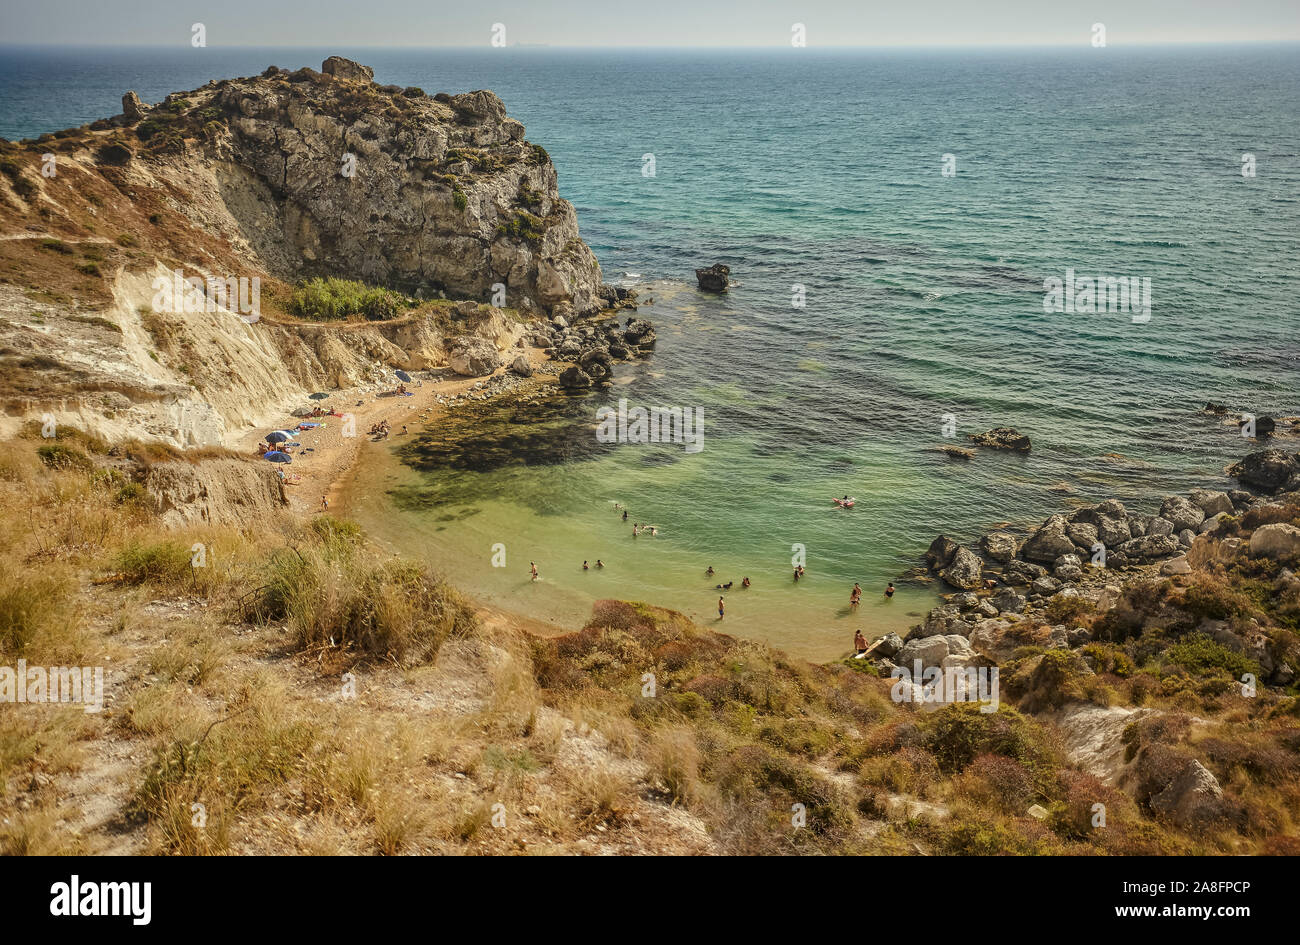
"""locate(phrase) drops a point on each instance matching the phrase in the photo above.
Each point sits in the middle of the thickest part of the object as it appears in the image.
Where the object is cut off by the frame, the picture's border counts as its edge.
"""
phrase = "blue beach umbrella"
(275, 456)
(278, 436)
(403, 376)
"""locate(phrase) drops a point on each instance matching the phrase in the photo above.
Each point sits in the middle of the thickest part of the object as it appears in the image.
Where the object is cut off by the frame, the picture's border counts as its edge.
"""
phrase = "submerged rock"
(1002, 438)
(1267, 470)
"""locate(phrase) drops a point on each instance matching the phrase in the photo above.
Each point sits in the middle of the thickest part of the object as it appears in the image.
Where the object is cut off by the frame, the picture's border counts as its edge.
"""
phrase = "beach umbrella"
(319, 395)
(277, 437)
(403, 376)
(275, 456)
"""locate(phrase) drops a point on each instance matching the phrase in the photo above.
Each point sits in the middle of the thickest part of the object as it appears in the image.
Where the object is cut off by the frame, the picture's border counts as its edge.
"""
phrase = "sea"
(900, 225)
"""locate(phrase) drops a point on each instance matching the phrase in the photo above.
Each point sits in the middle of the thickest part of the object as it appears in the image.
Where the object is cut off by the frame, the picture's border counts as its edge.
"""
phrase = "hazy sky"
(646, 22)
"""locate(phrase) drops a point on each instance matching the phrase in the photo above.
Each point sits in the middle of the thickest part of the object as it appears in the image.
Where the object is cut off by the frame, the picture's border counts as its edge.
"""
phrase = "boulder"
(1023, 572)
(473, 358)
(1266, 470)
(1046, 586)
(342, 68)
(1049, 542)
(1007, 601)
(889, 646)
(1211, 502)
(714, 279)
(1000, 546)
(965, 570)
(575, 378)
(1189, 799)
(1083, 534)
(1112, 531)
(1160, 526)
(1278, 541)
(1002, 438)
(931, 651)
(1149, 548)
(1181, 513)
(132, 108)
(521, 367)
(940, 552)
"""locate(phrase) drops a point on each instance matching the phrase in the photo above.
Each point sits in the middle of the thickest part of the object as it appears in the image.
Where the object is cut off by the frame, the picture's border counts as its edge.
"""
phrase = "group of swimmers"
(599, 564)
(637, 527)
(855, 595)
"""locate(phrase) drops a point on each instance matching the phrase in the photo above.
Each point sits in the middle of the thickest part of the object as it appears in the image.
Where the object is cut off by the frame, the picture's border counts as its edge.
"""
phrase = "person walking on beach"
(855, 596)
(721, 608)
(889, 591)
(859, 642)
(532, 566)
(324, 503)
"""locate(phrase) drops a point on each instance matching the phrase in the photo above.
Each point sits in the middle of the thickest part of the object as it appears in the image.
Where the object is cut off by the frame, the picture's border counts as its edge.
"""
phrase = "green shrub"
(459, 199)
(1201, 655)
(333, 299)
(59, 456)
(160, 562)
(56, 246)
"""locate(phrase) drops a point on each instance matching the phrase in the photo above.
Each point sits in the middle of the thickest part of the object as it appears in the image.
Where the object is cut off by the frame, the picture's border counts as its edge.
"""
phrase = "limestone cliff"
(278, 177)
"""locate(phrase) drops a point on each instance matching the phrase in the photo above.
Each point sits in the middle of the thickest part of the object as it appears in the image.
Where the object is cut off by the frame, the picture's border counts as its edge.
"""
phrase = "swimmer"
(889, 591)
(584, 566)
(745, 583)
(709, 572)
(599, 563)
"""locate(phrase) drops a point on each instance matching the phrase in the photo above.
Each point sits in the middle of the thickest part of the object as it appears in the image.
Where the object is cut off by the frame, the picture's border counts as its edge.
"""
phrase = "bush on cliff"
(335, 299)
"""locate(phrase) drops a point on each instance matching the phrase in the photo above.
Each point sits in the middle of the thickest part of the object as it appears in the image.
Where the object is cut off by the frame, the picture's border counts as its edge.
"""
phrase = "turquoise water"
(924, 297)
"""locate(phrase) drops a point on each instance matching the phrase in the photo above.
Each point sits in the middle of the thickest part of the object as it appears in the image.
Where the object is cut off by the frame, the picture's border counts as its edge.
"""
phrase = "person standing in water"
(532, 566)
(599, 563)
(584, 566)
(859, 642)
(625, 515)
(855, 596)
(721, 609)
(889, 591)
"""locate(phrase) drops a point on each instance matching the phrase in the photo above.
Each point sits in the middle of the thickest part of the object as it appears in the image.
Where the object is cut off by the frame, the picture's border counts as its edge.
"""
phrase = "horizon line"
(600, 46)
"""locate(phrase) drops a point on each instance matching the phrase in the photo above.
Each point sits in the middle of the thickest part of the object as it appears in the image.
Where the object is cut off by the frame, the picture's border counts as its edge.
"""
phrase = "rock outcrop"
(332, 174)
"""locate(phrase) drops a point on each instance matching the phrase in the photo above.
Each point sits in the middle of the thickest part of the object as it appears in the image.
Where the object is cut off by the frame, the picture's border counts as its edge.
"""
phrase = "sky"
(610, 23)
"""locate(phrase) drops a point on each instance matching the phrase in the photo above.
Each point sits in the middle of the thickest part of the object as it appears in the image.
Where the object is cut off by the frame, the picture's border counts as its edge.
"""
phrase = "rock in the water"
(1278, 541)
(1002, 438)
(1000, 546)
(940, 552)
(715, 278)
(342, 68)
(473, 358)
(1266, 470)
(575, 378)
(965, 570)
